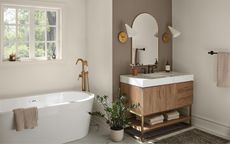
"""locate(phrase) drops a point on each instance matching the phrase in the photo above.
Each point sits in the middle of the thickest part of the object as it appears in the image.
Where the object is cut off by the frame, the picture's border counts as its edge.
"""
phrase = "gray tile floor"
(101, 136)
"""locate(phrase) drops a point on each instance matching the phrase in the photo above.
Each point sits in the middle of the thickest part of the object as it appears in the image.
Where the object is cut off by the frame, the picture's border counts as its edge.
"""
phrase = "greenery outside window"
(29, 32)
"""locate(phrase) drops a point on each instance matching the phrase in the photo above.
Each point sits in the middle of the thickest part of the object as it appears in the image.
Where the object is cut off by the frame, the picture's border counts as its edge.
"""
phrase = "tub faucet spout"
(84, 75)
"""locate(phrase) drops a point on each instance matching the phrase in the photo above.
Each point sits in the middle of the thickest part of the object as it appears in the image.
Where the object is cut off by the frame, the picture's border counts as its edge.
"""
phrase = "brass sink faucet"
(84, 75)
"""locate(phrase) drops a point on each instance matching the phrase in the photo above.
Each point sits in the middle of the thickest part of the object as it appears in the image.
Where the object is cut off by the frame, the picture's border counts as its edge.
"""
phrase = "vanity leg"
(190, 114)
(142, 128)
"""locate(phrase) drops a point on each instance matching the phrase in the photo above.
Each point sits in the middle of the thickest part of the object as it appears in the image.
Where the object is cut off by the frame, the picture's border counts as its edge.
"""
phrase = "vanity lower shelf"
(136, 124)
(157, 132)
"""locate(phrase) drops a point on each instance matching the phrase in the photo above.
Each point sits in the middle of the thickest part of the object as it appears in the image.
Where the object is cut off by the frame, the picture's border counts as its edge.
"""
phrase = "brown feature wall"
(125, 11)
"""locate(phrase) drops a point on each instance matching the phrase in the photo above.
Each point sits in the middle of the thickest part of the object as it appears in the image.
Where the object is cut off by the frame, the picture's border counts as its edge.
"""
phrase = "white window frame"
(32, 42)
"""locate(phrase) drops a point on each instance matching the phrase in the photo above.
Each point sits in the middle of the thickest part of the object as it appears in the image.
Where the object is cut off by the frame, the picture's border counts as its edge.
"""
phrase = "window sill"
(31, 61)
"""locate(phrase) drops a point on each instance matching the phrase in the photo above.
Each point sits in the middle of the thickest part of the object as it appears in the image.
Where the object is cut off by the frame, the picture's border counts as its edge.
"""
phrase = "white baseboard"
(211, 126)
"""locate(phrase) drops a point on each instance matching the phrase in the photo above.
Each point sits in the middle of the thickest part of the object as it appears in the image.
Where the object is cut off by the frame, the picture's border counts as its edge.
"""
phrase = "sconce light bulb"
(130, 31)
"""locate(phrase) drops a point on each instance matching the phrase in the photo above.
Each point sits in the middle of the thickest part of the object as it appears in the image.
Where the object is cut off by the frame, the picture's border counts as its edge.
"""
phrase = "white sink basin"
(156, 79)
(159, 74)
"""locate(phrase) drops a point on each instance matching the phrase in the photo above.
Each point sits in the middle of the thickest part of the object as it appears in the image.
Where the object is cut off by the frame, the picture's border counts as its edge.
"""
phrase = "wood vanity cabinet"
(159, 98)
(156, 96)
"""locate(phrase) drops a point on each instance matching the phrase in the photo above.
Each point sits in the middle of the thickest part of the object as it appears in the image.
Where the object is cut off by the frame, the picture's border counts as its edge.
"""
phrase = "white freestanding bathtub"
(62, 117)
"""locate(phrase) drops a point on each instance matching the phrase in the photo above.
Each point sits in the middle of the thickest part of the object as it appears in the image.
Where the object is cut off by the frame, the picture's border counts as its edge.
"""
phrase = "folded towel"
(19, 119)
(223, 69)
(154, 123)
(172, 114)
(30, 117)
(152, 119)
(25, 118)
(173, 117)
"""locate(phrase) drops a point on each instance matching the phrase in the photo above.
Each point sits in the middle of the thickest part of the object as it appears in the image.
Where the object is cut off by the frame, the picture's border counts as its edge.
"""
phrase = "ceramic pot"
(135, 71)
(117, 135)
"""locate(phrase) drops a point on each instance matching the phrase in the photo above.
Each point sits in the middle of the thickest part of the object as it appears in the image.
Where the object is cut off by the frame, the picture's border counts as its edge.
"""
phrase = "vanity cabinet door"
(158, 99)
(153, 100)
(134, 96)
(170, 97)
(184, 94)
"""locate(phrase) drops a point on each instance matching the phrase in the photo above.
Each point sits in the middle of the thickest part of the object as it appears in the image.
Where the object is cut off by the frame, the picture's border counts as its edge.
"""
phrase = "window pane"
(10, 33)
(40, 50)
(9, 48)
(40, 17)
(10, 16)
(51, 47)
(23, 50)
(23, 16)
(51, 34)
(23, 33)
(51, 17)
(40, 33)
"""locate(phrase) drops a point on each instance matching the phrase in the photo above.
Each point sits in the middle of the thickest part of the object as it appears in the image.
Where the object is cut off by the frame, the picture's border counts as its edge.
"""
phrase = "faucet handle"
(156, 62)
(79, 76)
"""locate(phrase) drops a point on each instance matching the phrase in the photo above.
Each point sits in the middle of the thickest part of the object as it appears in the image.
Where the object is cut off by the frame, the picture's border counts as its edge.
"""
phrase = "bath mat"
(193, 136)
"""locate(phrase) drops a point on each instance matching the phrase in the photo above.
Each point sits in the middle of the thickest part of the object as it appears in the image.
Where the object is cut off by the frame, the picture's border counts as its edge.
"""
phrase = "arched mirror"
(145, 42)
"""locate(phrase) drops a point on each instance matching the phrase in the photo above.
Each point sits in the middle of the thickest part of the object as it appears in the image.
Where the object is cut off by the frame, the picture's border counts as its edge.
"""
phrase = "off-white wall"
(99, 49)
(205, 26)
(25, 78)
(99, 45)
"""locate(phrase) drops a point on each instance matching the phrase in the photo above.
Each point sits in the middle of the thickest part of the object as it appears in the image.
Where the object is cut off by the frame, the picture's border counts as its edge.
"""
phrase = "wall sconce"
(166, 37)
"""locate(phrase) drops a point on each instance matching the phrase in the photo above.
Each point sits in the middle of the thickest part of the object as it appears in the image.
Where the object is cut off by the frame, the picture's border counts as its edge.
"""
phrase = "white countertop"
(156, 79)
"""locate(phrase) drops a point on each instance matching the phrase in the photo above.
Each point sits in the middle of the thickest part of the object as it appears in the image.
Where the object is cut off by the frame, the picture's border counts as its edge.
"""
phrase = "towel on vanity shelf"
(172, 115)
(153, 120)
(223, 69)
(154, 123)
(26, 118)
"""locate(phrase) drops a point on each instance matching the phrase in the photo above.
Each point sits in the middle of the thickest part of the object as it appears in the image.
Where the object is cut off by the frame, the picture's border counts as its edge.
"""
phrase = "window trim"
(32, 42)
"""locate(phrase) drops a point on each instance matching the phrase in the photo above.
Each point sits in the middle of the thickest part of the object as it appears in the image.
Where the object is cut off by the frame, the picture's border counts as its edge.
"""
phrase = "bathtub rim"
(90, 97)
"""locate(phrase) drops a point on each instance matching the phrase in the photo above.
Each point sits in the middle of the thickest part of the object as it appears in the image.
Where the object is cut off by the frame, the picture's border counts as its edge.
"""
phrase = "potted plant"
(116, 115)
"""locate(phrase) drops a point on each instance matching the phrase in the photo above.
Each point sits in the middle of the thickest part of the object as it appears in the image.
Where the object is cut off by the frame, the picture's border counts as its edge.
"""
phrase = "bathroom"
(90, 29)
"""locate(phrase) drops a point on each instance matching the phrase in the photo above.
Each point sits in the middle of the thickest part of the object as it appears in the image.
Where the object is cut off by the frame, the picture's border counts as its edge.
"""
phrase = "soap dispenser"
(167, 67)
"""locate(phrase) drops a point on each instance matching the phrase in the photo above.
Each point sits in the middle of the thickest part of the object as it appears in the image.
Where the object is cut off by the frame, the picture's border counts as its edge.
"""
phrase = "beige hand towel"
(30, 117)
(25, 118)
(19, 119)
(223, 69)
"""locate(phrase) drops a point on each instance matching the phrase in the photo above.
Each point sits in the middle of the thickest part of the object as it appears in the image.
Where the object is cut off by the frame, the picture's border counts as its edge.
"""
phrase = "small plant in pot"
(116, 115)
